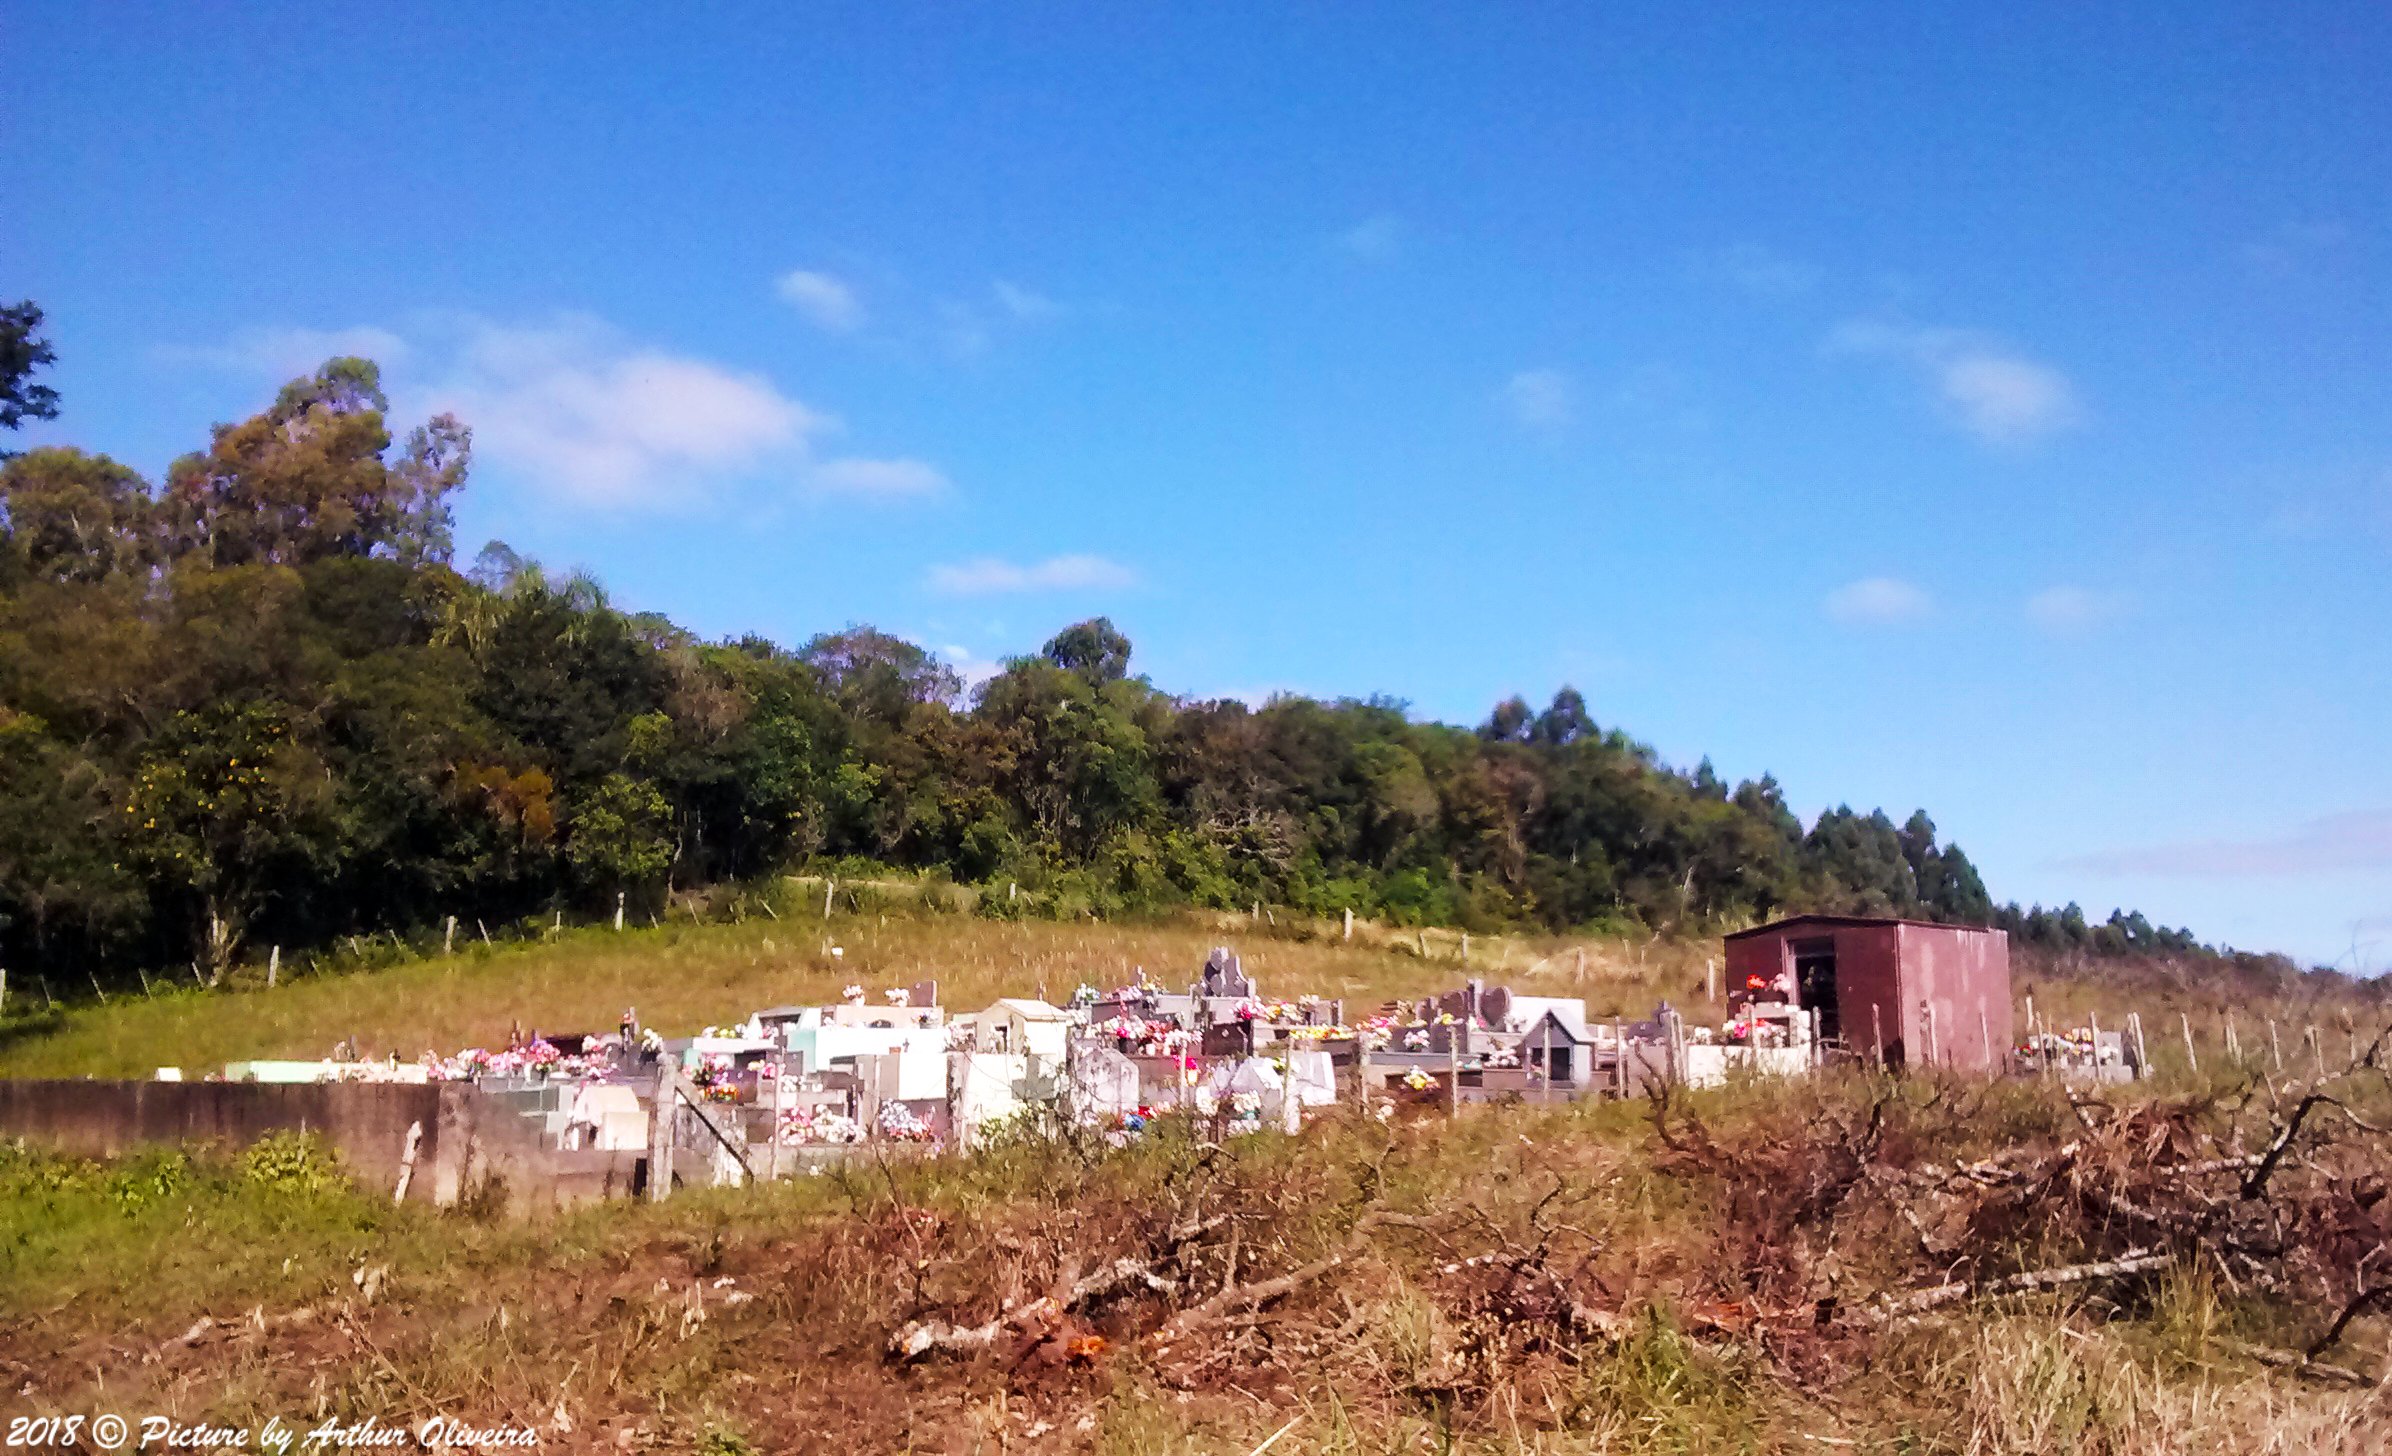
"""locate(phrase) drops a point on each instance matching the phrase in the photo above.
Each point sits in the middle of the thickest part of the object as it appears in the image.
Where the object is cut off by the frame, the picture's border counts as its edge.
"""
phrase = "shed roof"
(1856, 920)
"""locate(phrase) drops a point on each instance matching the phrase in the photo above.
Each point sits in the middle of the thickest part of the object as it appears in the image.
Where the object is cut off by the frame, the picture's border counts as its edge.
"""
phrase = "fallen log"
(923, 1337)
(1238, 1297)
(2033, 1281)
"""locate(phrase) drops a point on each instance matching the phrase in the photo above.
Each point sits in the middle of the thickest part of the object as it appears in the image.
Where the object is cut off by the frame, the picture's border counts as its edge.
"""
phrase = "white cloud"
(971, 667)
(1375, 239)
(1539, 398)
(1878, 601)
(586, 415)
(2072, 611)
(988, 575)
(1024, 304)
(900, 479)
(289, 353)
(2358, 840)
(828, 301)
(1993, 392)
(572, 408)
(1760, 271)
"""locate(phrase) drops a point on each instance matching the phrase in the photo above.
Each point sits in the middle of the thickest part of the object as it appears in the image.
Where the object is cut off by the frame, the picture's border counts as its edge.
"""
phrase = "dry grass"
(762, 1315)
(684, 976)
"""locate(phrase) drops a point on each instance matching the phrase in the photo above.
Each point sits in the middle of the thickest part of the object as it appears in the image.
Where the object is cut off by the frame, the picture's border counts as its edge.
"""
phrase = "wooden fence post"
(448, 937)
(2134, 1029)
(1453, 1071)
(2233, 1040)
(2193, 1058)
(660, 1133)
(415, 1140)
(2093, 1019)
(1349, 922)
(618, 911)
(2275, 1046)
(273, 966)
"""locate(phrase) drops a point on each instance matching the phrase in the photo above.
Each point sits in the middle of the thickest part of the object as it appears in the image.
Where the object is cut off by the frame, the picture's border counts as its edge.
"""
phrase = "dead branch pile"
(1801, 1237)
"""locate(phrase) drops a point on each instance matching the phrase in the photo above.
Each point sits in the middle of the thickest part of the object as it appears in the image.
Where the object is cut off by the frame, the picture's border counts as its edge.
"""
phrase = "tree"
(22, 351)
(1094, 650)
(70, 517)
(1510, 722)
(1566, 720)
(226, 804)
(879, 676)
(621, 835)
(306, 480)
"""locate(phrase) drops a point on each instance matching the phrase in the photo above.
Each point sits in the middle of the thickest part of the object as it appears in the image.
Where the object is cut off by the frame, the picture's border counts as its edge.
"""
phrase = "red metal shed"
(1919, 991)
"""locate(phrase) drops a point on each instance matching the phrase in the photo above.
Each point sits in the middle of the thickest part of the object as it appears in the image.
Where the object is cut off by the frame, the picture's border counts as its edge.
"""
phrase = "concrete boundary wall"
(470, 1140)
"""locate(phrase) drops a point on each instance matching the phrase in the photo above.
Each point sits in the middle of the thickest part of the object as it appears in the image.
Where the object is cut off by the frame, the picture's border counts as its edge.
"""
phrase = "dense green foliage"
(23, 350)
(258, 704)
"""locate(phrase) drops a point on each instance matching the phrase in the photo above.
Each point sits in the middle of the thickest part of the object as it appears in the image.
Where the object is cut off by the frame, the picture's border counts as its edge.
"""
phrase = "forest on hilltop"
(257, 703)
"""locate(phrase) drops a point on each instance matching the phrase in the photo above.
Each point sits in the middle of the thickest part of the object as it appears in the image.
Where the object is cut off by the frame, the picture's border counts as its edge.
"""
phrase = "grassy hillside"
(1784, 1269)
(684, 976)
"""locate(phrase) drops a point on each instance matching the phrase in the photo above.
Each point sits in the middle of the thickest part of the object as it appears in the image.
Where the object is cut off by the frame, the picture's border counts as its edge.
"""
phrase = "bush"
(292, 1162)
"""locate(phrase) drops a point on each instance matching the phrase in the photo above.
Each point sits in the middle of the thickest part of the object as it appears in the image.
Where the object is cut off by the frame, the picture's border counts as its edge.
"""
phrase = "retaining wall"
(469, 1139)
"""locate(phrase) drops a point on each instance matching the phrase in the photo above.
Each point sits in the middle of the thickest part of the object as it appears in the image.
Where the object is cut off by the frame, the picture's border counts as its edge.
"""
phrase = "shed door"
(1815, 983)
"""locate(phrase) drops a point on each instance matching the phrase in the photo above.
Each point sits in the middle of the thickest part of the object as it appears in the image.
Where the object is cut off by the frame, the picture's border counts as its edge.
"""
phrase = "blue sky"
(1988, 410)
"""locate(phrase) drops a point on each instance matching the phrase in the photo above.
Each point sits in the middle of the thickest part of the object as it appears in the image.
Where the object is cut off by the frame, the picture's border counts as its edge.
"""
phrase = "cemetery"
(567, 1117)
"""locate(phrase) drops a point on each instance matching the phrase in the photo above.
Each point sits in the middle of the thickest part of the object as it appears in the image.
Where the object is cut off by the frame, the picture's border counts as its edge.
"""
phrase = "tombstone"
(924, 993)
(1228, 1039)
(1495, 1008)
(1223, 975)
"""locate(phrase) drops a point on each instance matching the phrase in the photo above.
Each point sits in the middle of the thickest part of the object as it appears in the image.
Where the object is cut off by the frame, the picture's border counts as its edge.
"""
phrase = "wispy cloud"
(1758, 271)
(829, 301)
(2358, 840)
(970, 666)
(289, 353)
(1542, 399)
(1376, 239)
(901, 479)
(989, 575)
(1878, 601)
(1026, 305)
(2073, 611)
(2294, 246)
(574, 409)
(1990, 390)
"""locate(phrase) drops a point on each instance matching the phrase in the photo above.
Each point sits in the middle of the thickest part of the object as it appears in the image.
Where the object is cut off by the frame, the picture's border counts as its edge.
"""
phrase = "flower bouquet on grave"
(899, 1122)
